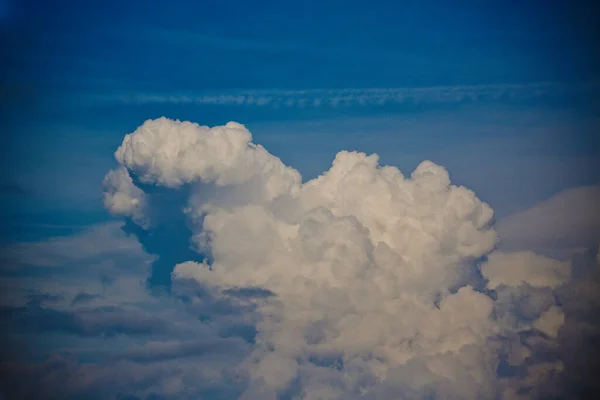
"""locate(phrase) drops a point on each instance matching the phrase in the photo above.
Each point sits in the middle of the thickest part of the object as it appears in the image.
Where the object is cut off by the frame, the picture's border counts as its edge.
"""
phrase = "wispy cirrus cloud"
(346, 97)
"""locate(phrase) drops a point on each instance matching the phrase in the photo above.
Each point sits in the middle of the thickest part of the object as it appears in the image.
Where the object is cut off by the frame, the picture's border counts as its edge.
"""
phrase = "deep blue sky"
(146, 45)
(67, 65)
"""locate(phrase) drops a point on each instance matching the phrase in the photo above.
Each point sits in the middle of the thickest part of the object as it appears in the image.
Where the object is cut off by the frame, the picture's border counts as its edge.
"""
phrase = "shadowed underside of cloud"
(65, 377)
(102, 335)
(361, 283)
(91, 322)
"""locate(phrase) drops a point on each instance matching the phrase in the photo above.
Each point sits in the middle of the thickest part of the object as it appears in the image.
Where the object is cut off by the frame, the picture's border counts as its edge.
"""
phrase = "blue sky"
(69, 65)
(504, 95)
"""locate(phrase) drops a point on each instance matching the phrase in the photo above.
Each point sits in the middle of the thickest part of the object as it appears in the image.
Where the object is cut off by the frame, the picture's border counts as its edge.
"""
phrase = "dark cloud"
(39, 299)
(579, 337)
(64, 377)
(85, 298)
(249, 292)
(105, 321)
(170, 350)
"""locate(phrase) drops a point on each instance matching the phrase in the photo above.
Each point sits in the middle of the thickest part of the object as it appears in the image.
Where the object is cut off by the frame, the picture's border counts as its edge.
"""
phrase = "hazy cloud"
(567, 222)
(316, 98)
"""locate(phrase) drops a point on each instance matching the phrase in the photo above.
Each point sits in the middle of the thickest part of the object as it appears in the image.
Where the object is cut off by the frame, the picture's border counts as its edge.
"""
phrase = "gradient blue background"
(76, 76)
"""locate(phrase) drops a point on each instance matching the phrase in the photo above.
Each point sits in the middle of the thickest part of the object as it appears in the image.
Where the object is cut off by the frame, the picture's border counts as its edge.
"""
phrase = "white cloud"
(526, 267)
(568, 221)
(550, 321)
(189, 152)
(121, 197)
(372, 271)
(102, 262)
(98, 241)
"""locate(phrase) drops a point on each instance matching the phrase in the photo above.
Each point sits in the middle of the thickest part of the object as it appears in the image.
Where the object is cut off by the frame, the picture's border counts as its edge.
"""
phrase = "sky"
(317, 199)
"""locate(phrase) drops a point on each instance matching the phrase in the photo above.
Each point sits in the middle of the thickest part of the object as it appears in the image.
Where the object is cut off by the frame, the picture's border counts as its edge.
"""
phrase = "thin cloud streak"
(315, 98)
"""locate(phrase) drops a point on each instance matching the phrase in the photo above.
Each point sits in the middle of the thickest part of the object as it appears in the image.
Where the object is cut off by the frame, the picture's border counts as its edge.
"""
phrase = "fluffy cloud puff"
(384, 286)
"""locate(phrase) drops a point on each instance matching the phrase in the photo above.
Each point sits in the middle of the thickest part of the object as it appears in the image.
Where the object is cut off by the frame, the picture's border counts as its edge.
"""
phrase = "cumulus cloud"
(361, 283)
(513, 269)
(367, 282)
(122, 197)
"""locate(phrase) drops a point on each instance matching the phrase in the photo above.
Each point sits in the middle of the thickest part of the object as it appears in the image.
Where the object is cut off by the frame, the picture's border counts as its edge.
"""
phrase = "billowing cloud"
(366, 282)
(513, 269)
(361, 283)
